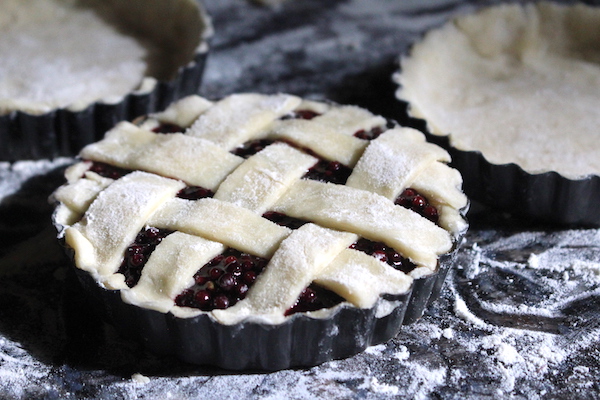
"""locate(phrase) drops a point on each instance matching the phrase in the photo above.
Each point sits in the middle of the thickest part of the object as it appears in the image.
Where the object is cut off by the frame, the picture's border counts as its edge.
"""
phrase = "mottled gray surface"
(518, 317)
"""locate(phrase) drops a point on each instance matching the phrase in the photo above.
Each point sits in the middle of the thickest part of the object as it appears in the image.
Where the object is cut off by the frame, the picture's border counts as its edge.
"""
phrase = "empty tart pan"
(511, 92)
(71, 69)
(261, 231)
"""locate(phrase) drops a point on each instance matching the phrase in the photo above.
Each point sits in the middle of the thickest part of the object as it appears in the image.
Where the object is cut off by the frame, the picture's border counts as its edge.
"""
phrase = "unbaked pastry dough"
(518, 83)
(70, 53)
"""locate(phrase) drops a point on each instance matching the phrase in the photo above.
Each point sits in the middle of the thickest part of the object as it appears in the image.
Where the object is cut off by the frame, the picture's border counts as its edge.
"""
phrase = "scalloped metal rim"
(62, 133)
(301, 341)
(549, 197)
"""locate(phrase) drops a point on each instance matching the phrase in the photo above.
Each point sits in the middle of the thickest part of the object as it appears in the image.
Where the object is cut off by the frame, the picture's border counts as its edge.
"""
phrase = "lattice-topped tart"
(268, 214)
(512, 90)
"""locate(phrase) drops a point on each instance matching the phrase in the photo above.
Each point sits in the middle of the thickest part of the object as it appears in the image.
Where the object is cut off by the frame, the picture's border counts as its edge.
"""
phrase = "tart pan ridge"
(542, 194)
(546, 197)
(373, 240)
(302, 341)
(36, 132)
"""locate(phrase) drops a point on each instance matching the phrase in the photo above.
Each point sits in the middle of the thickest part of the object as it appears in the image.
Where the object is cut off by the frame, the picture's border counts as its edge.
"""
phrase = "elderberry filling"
(329, 171)
(139, 251)
(370, 134)
(166, 128)
(374, 132)
(301, 114)
(223, 281)
(384, 253)
(313, 298)
(108, 171)
(284, 219)
(418, 203)
(194, 193)
(252, 147)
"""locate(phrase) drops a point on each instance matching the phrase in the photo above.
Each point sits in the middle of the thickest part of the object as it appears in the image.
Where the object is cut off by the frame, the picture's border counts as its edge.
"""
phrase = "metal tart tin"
(301, 341)
(547, 197)
(63, 132)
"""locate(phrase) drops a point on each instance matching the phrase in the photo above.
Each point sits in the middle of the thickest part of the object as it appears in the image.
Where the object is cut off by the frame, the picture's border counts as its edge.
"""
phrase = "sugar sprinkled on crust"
(271, 180)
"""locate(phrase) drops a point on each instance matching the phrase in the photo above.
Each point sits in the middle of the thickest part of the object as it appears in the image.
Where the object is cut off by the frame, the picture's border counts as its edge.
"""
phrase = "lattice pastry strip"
(241, 117)
(79, 195)
(170, 269)
(441, 185)
(182, 113)
(360, 278)
(192, 160)
(264, 177)
(451, 219)
(324, 139)
(223, 222)
(101, 237)
(369, 215)
(392, 161)
(317, 107)
(349, 119)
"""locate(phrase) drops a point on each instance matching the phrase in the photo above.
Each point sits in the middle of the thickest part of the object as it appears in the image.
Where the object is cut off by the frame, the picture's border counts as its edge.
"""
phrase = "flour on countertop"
(476, 322)
(464, 347)
(436, 354)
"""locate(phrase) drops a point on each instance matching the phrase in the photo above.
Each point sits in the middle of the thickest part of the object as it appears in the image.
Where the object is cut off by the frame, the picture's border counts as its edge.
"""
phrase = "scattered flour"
(402, 354)
(13, 175)
(462, 311)
(425, 381)
(376, 350)
(383, 388)
(448, 333)
(139, 378)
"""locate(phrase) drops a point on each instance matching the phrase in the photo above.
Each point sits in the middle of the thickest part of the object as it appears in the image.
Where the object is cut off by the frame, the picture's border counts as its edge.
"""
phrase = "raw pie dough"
(70, 53)
(102, 216)
(518, 83)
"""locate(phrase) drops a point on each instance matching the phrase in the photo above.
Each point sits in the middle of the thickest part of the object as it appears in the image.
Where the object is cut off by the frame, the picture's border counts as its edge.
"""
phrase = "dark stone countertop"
(518, 316)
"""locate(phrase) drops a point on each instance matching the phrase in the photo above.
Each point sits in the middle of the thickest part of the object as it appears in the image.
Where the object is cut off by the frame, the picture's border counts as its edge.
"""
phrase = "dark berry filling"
(223, 281)
(284, 220)
(139, 251)
(165, 127)
(194, 193)
(370, 134)
(313, 298)
(301, 114)
(252, 147)
(329, 171)
(418, 203)
(108, 171)
(384, 253)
